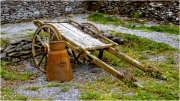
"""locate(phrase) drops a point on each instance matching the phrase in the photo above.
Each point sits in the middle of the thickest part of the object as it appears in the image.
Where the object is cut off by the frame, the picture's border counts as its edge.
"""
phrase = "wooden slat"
(77, 36)
(99, 47)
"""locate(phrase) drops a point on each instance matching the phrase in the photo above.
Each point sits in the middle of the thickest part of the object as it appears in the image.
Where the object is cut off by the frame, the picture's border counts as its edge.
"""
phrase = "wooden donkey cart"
(82, 39)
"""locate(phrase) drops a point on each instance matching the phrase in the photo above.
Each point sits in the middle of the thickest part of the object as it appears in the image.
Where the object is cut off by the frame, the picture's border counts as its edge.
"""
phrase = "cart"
(83, 39)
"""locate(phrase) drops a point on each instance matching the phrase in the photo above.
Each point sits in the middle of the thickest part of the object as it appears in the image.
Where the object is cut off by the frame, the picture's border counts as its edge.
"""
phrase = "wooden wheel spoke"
(36, 45)
(40, 44)
(45, 63)
(39, 38)
(41, 60)
(52, 37)
(37, 54)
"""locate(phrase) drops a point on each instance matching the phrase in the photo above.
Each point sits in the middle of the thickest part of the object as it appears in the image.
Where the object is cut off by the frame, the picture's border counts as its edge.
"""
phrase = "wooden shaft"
(135, 63)
(105, 66)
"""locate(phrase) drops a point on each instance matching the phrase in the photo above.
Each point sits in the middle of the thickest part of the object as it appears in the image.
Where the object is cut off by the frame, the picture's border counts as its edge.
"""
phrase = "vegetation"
(30, 34)
(110, 88)
(8, 73)
(7, 94)
(171, 29)
(33, 88)
(103, 19)
(136, 15)
(4, 42)
(3, 32)
(65, 89)
(54, 84)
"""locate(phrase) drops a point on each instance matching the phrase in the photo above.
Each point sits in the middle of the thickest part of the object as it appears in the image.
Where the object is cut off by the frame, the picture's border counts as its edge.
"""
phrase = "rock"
(118, 40)
(16, 60)
(109, 36)
(14, 54)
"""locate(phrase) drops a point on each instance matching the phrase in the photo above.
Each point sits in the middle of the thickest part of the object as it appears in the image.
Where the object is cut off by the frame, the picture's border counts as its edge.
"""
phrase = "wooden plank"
(77, 36)
(99, 47)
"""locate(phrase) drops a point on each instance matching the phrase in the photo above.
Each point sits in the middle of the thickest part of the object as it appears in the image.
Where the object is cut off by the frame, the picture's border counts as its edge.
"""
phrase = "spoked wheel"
(92, 27)
(40, 44)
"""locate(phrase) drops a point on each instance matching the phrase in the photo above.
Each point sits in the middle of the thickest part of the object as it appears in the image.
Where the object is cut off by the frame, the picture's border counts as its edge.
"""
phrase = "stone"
(16, 60)
(36, 13)
(109, 36)
(15, 54)
(118, 40)
(26, 47)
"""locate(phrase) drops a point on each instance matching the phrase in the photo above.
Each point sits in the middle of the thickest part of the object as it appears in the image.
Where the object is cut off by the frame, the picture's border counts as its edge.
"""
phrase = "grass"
(65, 89)
(30, 34)
(110, 88)
(108, 19)
(136, 15)
(32, 88)
(54, 84)
(171, 29)
(101, 18)
(3, 33)
(7, 94)
(4, 42)
(8, 73)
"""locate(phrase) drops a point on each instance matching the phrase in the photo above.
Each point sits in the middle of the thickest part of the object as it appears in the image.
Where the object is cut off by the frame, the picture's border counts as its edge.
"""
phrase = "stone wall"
(17, 11)
(152, 9)
(18, 51)
(21, 10)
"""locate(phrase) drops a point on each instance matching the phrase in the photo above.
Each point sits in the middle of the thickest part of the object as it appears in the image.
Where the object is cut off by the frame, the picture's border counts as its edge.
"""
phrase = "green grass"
(30, 34)
(136, 15)
(7, 94)
(110, 88)
(33, 88)
(65, 89)
(54, 84)
(171, 29)
(108, 19)
(29, 29)
(8, 73)
(4, 42)
(102, 19)
(3, 33)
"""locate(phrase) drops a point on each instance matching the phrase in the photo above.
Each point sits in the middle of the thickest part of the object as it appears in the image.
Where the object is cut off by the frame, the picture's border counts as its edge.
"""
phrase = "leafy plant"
(136, 15)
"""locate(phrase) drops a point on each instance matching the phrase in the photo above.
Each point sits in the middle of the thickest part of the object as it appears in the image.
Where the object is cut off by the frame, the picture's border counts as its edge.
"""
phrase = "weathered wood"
(103, 65)
(135, 63)
(89, 31)
(77, 36)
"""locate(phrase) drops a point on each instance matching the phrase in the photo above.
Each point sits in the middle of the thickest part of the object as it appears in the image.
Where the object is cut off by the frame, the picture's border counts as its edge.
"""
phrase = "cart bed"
(78, 37)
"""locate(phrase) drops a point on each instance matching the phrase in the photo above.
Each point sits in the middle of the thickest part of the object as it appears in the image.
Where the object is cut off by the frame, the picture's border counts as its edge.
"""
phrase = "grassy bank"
(109, 19)
(141, 49)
